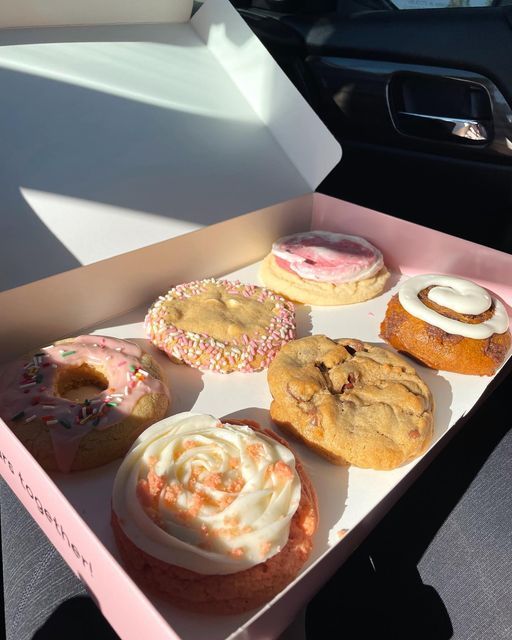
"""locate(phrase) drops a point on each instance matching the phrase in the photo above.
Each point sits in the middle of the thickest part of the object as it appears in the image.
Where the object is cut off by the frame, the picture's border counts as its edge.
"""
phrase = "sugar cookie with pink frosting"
(324, 268)
(221, 325)
(215, 516)
(448, 323)
(81, 402)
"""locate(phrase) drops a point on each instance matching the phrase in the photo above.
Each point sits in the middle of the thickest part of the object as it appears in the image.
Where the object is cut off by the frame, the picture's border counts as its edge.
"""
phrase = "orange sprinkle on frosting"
(171, 493)
(234, 463)
(156, 483)
(255, 451)
(282, 470)
(234, 485)
(195, 505)
(226, 501)
(213, 480)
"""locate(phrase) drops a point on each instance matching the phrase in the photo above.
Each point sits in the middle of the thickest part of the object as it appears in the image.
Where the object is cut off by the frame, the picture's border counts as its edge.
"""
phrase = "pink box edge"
(116, 613)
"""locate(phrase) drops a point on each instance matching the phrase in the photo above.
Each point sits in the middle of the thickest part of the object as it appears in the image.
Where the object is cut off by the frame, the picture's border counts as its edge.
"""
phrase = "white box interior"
(179, 121)
(346, 495)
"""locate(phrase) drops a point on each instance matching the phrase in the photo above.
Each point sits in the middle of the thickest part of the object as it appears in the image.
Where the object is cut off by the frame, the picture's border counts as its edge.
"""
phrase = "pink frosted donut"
(221, 326)
(81, 402)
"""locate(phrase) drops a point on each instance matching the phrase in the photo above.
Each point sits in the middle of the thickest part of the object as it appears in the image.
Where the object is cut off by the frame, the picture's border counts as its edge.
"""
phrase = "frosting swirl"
(459, 295)
(324, 256)
(207, 496)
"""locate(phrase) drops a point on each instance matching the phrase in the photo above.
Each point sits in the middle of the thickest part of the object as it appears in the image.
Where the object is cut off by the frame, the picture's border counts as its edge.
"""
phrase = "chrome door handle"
(465, 128)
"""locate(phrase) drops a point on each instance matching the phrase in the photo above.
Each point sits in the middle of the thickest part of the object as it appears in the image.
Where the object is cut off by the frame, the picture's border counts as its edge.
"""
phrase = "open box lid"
(191, 121)
(50, 13)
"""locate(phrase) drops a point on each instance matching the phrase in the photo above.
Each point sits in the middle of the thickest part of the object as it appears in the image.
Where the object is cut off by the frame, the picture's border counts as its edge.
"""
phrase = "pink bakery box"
(239, 152)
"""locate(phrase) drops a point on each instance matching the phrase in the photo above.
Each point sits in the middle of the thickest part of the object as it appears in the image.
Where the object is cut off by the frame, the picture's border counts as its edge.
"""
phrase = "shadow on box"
(380, 591)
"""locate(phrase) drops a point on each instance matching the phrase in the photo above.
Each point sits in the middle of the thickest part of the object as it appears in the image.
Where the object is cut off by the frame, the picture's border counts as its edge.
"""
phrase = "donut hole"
(80, 383)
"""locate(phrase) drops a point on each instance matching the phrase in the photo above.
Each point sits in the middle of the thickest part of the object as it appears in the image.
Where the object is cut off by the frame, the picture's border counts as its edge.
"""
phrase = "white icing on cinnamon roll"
(459, 295)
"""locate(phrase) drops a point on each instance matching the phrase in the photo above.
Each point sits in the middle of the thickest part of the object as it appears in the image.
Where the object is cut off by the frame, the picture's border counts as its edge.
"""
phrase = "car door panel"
(376, 77)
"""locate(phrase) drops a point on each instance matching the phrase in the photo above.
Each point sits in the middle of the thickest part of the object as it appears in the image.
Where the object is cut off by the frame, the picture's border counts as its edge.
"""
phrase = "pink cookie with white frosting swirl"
(81, 402)
(215, 516)
(325, 268)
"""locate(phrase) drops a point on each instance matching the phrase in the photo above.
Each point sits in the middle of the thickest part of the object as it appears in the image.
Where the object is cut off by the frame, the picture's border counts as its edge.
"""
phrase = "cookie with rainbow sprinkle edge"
(221, 325)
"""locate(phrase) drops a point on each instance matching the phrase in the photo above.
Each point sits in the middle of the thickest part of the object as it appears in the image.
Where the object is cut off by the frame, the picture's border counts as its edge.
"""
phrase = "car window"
(442, 4)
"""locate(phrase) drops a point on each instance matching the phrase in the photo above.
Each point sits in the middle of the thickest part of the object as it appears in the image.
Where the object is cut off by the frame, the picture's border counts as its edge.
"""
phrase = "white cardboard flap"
(44, 13)
(145, 118)
(294, 124)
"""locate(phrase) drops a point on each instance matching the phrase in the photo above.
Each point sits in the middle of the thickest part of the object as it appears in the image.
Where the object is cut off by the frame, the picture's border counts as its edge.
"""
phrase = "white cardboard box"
(177, 119)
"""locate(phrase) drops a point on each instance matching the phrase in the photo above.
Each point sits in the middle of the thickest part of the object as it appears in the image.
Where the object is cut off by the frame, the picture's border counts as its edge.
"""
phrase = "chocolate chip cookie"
(351, 402)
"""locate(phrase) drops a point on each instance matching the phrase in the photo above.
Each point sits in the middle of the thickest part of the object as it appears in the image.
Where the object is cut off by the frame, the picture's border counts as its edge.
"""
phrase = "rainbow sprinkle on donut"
(221, 326)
